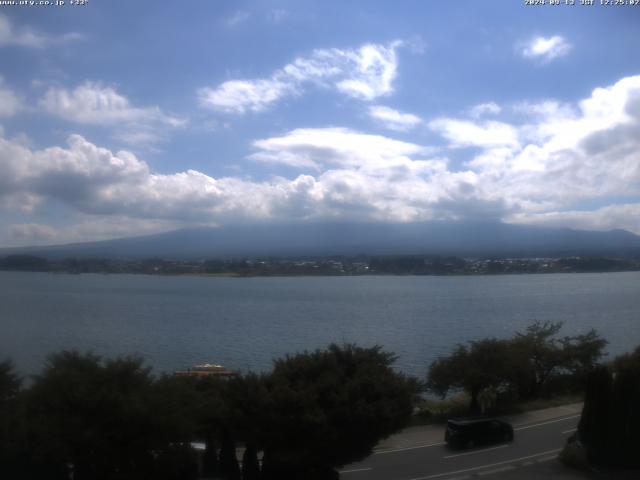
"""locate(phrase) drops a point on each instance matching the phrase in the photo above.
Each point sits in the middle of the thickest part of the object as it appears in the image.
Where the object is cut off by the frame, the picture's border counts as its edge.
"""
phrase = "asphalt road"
(533, 443)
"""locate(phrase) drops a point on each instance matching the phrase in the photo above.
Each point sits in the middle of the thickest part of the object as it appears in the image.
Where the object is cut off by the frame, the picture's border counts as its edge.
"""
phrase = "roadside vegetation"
(609, 430)
(503, 375)
(85, 417)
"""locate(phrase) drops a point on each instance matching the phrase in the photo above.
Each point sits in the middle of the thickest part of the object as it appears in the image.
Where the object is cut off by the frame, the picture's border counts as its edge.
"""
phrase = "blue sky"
(125, 118)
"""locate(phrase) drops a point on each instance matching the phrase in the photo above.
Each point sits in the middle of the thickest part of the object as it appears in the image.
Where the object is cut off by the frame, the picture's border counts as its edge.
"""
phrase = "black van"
(467, 432)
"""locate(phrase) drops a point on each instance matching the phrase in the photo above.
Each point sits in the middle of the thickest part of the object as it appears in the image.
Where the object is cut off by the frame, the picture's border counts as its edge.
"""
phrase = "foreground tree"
(12, 421)
(9, 381)
(548, 355)
(480, 365)
(329, 408)
(521, 367)
(610, 419)
(543, 354)
(101, 420)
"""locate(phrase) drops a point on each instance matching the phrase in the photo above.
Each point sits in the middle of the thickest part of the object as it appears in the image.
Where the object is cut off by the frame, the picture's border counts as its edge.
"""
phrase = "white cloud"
(366, 73)
(393, 119)
(545, 49)
(239, 96)
(468, 134)
(28, 37)
(624, 216)
(338, 147)
(374, 72)
(95, 104)
(482, 109)
(592, 153)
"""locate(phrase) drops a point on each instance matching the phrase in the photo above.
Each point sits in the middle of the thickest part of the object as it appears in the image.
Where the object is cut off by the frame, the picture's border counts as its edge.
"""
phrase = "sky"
(121, 118)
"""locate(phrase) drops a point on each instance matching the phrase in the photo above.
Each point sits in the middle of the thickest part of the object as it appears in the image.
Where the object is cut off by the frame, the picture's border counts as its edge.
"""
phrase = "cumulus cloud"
(545, 49)
(393, 119)
(95, 104)
(365, 73)
(341, 147)
(29, 37)
(592, 153)
(462, 133)
(383, 184)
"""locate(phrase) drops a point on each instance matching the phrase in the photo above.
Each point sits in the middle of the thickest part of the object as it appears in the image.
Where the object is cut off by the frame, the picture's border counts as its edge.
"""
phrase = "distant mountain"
(327, 239)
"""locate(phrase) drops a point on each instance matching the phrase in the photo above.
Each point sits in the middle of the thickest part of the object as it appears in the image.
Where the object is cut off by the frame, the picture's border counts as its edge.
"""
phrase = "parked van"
(468, 432)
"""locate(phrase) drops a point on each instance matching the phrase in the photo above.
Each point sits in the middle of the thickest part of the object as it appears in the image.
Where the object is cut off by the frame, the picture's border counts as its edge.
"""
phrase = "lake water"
(244, 323)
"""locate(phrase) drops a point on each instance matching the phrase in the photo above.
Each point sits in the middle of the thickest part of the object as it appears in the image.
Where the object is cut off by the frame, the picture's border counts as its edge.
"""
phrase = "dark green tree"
(229, 466)
(12, 422)
(583, 352)
(543, 352)
(482, 364)
(101, 419)
(610, 419)
(9, 381)
(210, 458)
(329, 408)
(250, 464)
(594, 425)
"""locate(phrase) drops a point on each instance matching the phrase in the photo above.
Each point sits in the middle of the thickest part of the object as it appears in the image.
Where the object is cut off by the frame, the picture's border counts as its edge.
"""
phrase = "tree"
(483, 364)
(329, 408)
(250, 464)
(9, 381)
(100, 418)
(521, 366)
(543, 353)
(582, 353)
(610, 419)
(12, 438)
(594, 427)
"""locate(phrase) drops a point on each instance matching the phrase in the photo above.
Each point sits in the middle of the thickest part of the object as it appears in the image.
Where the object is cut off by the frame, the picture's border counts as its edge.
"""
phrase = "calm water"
(244, 323)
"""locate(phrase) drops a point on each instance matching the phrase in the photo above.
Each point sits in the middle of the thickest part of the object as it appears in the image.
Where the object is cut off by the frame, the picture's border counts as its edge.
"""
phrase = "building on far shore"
(206, 370)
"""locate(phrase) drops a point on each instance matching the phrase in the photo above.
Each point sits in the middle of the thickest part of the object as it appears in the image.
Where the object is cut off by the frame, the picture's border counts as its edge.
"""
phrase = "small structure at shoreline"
(207, 370)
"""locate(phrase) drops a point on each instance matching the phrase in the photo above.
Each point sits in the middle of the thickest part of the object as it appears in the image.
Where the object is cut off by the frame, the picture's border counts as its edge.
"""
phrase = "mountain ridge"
(352, 238)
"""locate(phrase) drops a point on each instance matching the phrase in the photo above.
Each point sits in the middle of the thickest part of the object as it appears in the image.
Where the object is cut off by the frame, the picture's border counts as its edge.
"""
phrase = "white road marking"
(488, 466)
(571, 430)
(547, 423)
(380, 452)
(427, 445)
(546, 459)
(477, 451)
(356, 470)
(497, 470)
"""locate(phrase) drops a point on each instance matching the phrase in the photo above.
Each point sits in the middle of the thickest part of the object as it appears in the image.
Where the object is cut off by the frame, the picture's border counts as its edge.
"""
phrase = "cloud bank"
(534, 171)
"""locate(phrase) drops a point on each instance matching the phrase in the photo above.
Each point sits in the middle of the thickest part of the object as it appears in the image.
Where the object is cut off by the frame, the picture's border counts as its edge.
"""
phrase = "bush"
(574, 455)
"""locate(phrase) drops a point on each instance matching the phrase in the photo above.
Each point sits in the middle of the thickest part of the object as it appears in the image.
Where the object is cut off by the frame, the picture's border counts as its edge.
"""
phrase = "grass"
(438, 411)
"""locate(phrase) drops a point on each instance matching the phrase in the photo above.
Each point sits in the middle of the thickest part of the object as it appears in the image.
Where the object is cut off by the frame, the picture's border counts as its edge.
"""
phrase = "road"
(533, 443)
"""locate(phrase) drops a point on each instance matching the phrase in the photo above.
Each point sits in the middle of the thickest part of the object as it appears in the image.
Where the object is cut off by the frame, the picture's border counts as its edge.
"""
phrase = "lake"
(244, 323)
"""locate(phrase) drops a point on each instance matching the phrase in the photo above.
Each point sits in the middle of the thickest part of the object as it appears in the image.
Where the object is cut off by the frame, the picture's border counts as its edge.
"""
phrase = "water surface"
(243, 323)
